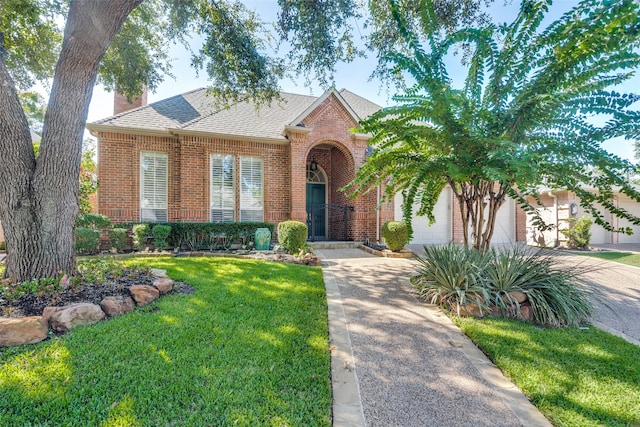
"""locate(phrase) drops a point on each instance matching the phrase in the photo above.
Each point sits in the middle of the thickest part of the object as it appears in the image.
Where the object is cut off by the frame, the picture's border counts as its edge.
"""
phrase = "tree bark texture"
(39, 197)
(479, 203)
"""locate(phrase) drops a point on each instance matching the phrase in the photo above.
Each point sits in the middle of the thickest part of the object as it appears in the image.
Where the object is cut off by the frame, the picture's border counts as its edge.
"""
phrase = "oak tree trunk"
(39, 197)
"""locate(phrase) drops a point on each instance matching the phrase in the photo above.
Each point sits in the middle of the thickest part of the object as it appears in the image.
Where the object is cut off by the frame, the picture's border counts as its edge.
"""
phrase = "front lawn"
(621, 257)
(249, 347)
(575, 377)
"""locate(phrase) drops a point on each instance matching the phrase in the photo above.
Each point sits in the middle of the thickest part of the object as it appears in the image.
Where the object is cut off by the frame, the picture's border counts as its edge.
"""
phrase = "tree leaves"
(523, 120)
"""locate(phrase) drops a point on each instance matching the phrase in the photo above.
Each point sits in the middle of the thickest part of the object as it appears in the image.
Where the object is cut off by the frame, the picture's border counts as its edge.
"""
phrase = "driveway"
(615, 295)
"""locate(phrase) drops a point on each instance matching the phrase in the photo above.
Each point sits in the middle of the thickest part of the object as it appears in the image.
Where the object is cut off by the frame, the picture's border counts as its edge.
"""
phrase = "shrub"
(452, 276)
(87, 241)
(292, 236)
(456, 276)
(140, 233)
(3, 246)
(118, 237)
(395, 235)
(579, 233)
(160, 234)
(93, 221)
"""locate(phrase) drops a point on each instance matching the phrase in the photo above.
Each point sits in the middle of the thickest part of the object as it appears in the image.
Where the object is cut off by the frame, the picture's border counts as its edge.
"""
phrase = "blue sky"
(353, 76)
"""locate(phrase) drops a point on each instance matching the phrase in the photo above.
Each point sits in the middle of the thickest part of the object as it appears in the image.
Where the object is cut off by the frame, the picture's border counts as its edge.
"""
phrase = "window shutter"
(252, 189)
(223, 188)
(153, 186)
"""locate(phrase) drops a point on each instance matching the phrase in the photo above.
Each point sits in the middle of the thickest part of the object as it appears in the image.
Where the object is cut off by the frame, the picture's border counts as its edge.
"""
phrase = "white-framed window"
(154, 172)
(223, 188)
(251, 189)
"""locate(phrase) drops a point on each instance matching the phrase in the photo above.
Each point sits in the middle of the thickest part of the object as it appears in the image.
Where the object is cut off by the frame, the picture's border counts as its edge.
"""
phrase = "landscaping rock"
(526, 313)
(65, 318)
(117, 305)
(158, 272)
(467, 310)
(519, 296)
(143, 294)
(163, 285)
(23, 330)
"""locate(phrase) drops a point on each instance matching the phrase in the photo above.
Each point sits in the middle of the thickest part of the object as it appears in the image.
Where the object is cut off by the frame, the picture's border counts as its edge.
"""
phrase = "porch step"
(334, 245)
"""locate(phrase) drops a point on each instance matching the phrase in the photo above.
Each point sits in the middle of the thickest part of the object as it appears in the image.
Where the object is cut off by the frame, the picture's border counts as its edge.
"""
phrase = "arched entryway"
(329, 167)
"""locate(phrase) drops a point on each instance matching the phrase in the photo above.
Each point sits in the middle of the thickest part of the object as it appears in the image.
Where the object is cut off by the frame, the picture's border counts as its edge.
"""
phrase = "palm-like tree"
(521, 119)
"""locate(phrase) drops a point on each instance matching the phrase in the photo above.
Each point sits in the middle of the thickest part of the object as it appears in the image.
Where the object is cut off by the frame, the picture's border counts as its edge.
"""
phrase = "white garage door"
(634, 208)
(599, 235)
(505, 229)
(424, 234)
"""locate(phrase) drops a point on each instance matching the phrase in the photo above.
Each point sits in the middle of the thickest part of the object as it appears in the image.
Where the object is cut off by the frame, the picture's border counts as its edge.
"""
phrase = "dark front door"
(316, 211)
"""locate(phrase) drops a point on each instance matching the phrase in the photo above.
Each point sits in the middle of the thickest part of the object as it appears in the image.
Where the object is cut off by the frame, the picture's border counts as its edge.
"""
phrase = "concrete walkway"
(399, 362)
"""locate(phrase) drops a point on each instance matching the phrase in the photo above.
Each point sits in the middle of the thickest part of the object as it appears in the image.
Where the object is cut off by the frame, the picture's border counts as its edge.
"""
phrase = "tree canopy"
(522, 120)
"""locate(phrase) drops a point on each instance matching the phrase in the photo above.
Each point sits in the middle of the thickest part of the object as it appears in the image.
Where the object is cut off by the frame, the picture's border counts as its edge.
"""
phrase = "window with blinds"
(223, 188)
(153, 186)
(251, 189)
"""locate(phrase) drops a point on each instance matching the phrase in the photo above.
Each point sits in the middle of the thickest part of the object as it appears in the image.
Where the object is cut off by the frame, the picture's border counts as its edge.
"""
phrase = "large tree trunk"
(39, 197)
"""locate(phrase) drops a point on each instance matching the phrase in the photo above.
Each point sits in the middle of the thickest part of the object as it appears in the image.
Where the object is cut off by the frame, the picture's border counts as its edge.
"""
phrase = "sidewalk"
(399, 362)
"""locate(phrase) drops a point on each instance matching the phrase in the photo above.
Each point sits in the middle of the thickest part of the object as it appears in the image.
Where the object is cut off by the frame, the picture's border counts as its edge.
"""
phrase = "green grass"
(575, 377)
(621, 257)
(248, 348)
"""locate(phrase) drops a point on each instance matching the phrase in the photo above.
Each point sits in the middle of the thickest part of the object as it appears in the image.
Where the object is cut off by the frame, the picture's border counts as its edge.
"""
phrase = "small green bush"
(118, 237)
(292, 236)
(93, 221)
(579, 233)
(87, 241)
(395, 235)
(456, 276)
(3, 246)
(160, 234)
(140, 233)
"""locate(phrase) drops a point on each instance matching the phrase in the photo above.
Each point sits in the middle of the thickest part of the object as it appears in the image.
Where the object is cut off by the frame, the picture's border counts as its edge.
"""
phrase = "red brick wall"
(120, 103)
(328, 142)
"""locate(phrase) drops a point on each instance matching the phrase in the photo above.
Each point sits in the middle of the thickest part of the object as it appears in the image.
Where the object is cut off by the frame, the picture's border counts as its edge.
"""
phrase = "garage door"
(634, 208)
(599, 235)
(424, 234)
(505, 229)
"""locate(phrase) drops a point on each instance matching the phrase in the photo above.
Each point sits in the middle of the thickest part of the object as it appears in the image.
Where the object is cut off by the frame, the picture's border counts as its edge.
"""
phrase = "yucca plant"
(521, 119)
(452, 276)
(555, 293)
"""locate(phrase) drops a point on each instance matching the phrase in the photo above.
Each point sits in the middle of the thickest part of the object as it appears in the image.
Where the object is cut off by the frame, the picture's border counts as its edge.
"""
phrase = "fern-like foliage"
(521, 120)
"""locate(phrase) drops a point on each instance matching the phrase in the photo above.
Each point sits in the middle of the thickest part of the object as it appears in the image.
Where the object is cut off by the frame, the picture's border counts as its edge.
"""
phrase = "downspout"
(555, 209)
(378, 215)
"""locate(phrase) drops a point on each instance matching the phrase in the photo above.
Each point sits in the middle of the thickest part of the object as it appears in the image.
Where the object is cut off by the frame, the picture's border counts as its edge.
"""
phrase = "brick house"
(181, 159)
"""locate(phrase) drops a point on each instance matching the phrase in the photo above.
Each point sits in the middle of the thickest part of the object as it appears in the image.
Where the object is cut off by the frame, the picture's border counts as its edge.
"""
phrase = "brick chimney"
(120, 103)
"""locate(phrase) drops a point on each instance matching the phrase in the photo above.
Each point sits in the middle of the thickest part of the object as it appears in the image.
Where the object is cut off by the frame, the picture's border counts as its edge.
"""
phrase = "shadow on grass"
(247, 348)
(575, 377)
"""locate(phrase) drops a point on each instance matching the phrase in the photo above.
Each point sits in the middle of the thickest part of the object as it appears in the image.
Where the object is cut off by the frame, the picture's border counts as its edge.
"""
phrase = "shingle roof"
(194, 111)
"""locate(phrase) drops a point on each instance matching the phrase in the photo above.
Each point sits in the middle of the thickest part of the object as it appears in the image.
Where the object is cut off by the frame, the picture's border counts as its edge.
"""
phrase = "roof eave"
(94, 128)
(228, 136)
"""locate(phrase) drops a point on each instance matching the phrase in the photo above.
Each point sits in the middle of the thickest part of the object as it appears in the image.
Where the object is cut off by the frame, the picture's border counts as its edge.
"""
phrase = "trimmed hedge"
(118, 237)
(292, 236)
(160, 234)
(93, 221)
(87, 241)
(395, 235)
(140, 234)
(197, 236)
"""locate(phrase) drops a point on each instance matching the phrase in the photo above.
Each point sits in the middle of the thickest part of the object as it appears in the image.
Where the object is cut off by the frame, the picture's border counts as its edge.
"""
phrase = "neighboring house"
(559, 206)
(181, 159)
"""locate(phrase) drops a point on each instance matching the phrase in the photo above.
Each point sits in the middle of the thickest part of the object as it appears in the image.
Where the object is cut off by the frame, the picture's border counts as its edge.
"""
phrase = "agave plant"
(452, 276)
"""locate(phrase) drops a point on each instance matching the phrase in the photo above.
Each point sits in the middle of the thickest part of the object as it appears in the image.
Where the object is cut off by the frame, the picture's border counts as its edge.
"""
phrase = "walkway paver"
(404, 360)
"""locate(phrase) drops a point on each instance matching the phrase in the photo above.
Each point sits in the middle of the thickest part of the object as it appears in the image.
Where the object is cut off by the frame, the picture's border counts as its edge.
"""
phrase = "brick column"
(298, 141)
